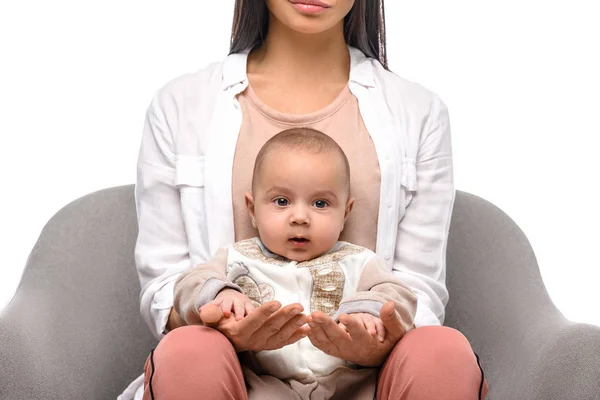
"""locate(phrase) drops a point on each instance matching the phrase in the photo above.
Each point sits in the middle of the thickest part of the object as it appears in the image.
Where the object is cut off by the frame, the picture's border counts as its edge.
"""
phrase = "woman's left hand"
(355, 343)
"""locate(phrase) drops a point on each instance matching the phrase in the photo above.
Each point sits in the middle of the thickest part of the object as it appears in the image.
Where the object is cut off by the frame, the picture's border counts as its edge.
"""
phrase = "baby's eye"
(321, 204)
(281, 202)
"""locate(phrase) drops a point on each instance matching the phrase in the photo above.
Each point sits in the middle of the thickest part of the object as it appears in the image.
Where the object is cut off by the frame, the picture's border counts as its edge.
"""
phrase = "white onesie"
(346, 279)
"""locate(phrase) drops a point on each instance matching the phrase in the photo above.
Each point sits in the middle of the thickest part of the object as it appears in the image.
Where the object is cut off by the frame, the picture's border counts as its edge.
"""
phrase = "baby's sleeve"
(376, 286)
(200, 285)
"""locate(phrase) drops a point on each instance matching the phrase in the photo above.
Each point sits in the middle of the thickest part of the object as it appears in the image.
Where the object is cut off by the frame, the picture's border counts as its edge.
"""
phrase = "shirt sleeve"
(420, 253)
(161, 250)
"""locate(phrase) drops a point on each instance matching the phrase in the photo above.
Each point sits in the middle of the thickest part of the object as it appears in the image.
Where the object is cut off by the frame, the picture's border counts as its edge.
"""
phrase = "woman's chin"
(308, 26)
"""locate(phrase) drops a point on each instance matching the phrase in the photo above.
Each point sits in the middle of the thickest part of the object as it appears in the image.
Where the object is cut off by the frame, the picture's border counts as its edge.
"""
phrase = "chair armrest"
(498, 300)
(73, 330)
(565, 360)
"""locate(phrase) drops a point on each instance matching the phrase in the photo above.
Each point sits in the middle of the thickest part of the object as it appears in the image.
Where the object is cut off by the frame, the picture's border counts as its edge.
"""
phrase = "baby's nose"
(299, 215)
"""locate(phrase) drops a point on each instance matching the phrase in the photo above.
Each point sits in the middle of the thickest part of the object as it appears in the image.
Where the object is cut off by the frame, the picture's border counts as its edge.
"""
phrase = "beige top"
(342, 121)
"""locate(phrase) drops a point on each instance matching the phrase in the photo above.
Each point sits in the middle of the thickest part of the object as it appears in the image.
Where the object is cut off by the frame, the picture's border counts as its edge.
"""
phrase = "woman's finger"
(276, 321)
(311, 336)
(210, 314)
(291, 327)
(335, 333)
(316, 326)
(259, 316)
(298, 335)
(392, 324)
(243, 333)
(266, 320)
(294, 330)
(331, 337)
(322, 342)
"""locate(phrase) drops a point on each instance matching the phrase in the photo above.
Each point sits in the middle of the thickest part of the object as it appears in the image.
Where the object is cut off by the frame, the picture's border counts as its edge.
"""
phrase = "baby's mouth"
(299, 240)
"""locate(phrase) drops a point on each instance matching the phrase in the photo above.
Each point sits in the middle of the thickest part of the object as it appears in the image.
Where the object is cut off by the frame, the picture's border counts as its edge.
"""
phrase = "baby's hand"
(372, 324)
(230, 300)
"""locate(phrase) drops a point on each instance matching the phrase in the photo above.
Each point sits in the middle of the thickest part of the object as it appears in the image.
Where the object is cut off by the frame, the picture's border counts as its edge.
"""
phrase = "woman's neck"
(304, 59)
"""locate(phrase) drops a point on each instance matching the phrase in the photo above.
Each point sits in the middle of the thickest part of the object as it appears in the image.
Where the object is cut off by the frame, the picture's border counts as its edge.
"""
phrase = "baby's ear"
(349, 205)
(250, 207)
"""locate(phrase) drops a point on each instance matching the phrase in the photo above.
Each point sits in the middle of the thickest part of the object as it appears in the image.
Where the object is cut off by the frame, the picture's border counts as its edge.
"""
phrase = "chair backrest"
(73, 329)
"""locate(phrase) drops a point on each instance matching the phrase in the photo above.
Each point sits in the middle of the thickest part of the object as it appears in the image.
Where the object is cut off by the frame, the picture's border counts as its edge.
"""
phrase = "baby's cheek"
(268, 228)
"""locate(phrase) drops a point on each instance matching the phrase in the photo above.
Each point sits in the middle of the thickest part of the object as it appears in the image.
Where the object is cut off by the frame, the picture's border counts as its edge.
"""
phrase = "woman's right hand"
(268, 327)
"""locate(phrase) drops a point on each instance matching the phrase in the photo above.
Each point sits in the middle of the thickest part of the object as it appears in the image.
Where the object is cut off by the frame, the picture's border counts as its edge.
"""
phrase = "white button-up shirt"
(183, 191)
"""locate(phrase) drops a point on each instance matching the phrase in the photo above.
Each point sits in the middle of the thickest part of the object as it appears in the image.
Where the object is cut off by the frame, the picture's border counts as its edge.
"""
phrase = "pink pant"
(196, 362)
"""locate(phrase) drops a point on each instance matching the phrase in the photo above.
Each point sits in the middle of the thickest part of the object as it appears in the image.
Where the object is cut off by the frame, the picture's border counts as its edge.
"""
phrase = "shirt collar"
(361, 68)
(234, 69)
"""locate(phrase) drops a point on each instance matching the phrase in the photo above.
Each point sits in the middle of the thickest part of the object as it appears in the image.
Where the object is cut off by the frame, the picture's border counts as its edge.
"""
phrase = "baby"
(299, 203)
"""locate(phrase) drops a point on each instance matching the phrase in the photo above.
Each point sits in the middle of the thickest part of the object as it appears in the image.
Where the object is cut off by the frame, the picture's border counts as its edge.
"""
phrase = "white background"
(520, 77)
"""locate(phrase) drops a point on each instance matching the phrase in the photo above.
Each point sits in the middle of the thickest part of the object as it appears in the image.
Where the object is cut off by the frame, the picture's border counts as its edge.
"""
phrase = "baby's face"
(300, 203)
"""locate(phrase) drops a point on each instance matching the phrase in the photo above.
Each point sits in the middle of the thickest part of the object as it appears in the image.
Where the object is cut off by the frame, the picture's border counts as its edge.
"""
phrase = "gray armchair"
(73, 329)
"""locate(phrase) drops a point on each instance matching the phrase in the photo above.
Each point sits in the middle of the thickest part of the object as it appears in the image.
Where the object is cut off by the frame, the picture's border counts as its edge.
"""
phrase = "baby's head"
(300, 193)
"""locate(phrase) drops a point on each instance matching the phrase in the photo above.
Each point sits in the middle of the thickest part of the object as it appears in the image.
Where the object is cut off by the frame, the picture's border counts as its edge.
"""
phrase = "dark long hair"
(364, 27)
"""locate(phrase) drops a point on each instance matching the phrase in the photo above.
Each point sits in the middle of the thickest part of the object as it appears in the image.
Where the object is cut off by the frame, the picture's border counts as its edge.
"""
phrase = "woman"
(317, 63)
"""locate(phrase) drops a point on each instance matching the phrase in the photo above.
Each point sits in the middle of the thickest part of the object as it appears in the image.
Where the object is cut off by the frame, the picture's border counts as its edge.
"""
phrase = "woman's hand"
(350, 340)
(268, 327)
(230, 300)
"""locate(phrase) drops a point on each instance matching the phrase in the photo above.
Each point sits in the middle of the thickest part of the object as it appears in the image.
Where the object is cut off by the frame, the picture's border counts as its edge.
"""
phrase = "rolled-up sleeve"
(161, 251)
(420, 253)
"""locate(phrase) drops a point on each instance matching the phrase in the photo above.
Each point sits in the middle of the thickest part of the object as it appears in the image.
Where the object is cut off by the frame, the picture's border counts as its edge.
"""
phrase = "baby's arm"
(376, 286)
(208, 283)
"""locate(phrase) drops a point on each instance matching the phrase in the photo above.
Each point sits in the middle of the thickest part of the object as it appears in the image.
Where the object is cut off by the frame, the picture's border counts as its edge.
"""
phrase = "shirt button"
(389, 204)
(387, 156)
(387, 256)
